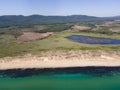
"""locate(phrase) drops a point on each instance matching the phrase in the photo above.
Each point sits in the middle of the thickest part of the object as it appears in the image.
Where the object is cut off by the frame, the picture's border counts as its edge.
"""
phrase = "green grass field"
(10, 47)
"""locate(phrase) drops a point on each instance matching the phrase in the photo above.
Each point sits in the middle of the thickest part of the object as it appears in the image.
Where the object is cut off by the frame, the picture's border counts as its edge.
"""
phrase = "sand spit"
(61, 59)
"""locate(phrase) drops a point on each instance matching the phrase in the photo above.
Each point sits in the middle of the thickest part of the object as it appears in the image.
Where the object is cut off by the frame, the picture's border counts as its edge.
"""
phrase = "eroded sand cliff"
(55, 59)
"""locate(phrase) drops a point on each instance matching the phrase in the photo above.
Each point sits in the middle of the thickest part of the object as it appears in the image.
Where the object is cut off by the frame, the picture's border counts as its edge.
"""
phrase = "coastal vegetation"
(10, 46)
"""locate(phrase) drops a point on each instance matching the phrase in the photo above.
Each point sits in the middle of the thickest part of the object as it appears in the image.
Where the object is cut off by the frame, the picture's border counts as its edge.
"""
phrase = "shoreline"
(94, 71)
(62, 59)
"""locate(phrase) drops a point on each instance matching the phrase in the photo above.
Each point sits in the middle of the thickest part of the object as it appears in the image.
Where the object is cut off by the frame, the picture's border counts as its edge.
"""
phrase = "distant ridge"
(20, 20)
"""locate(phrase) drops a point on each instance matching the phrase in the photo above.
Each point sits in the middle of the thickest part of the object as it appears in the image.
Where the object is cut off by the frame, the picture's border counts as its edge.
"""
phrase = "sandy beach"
(61, 59)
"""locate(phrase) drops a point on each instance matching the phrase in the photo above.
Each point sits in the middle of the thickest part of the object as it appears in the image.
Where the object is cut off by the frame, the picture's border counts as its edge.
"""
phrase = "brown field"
(31, 36)
(116, 29)
(39, 27)
(112, 23)
(77, 27)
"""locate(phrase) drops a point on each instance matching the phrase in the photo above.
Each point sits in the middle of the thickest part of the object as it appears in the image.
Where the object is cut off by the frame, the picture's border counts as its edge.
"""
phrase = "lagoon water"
(93, 40)
(98, 79)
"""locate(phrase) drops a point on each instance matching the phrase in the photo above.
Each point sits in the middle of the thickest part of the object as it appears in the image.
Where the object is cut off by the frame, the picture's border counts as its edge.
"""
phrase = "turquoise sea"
(66, 79)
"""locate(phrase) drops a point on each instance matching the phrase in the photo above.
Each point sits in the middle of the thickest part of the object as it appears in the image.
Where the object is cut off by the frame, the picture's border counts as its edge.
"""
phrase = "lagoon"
(93, 40)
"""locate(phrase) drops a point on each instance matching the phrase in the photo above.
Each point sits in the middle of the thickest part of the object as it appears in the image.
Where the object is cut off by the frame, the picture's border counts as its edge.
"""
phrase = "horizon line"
(56, 15)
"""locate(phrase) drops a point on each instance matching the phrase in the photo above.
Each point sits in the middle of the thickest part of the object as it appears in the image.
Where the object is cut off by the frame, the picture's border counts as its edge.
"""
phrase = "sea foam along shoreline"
(61, 59)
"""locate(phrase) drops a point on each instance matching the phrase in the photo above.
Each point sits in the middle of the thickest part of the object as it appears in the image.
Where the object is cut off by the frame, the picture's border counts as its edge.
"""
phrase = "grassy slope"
(10, 47)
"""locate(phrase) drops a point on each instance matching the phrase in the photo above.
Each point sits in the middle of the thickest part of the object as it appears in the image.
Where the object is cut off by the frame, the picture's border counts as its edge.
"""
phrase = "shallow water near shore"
(62, 79)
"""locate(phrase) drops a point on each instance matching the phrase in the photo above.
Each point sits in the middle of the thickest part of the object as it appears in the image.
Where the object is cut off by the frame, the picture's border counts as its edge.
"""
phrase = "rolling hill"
(27, 21)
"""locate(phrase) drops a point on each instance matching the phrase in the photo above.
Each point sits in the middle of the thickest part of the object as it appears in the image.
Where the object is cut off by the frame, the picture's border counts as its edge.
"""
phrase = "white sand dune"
(61, 59)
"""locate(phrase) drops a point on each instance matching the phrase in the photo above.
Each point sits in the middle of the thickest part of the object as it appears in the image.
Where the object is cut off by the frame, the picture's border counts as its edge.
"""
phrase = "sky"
(101, 8)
